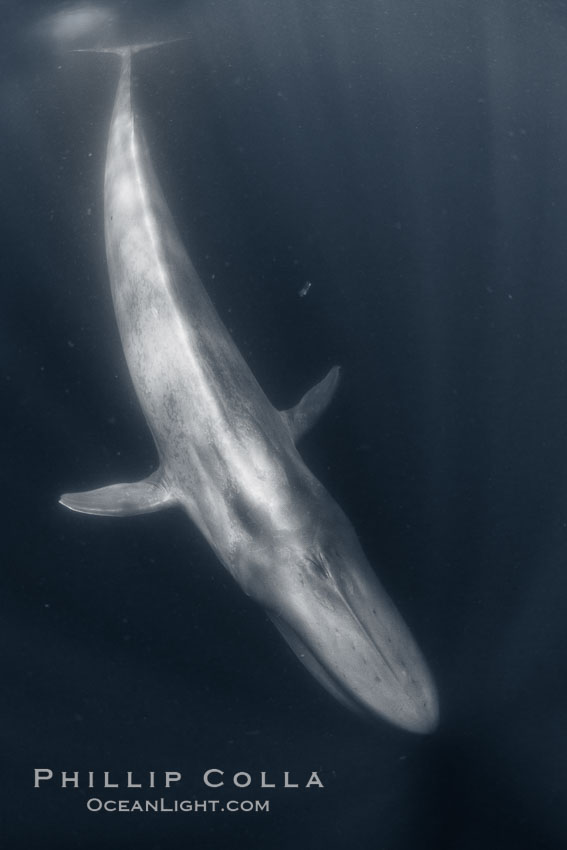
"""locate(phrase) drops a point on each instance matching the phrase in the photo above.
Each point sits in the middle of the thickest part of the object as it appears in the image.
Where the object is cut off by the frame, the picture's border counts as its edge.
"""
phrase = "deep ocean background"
(409, 159)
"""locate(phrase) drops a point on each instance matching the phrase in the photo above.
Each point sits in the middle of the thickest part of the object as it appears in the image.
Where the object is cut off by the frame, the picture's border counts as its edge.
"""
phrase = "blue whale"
(229, 458)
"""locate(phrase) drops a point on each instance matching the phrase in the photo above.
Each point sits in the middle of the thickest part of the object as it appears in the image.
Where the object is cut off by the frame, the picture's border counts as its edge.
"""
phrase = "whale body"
(229, 458)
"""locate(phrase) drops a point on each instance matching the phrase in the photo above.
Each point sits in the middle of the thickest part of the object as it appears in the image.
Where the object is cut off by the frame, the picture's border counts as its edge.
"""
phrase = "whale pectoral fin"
(139, 497)
(306, 413)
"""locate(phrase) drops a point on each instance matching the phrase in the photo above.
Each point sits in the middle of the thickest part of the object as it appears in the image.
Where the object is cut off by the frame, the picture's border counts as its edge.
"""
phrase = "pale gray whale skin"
(229, 458)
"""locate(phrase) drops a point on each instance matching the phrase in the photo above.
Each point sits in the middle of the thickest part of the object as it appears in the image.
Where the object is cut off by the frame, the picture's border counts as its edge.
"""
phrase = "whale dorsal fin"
(139, 497)
(315, 401)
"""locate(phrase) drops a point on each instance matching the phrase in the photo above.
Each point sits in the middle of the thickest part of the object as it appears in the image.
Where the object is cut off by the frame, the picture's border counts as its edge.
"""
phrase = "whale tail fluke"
(127, 50)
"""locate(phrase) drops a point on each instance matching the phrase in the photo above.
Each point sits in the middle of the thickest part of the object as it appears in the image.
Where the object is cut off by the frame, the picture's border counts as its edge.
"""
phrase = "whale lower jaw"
(419, 715)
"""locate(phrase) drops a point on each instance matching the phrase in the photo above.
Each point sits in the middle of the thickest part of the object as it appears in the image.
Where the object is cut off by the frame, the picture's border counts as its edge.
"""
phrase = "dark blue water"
(409, 159)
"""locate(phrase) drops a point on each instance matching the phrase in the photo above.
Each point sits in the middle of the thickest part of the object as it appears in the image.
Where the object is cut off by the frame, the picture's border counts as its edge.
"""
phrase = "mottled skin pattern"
(229, 458)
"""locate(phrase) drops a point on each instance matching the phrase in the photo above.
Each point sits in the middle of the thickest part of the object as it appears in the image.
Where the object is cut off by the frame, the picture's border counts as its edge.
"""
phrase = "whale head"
(328, 604)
